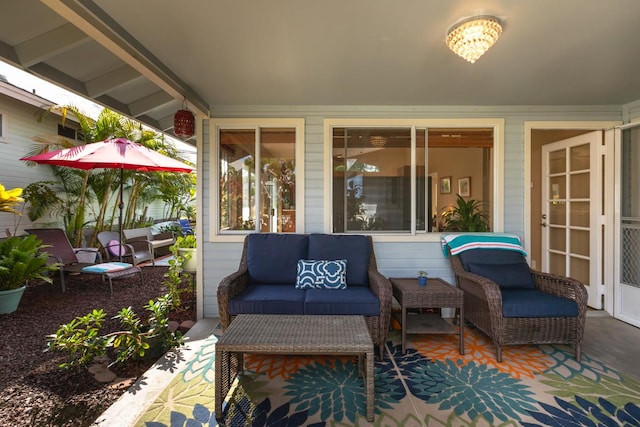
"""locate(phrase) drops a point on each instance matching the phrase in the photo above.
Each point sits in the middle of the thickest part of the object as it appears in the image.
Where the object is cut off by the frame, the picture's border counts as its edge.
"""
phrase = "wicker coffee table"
(292, 334)
(436, 294)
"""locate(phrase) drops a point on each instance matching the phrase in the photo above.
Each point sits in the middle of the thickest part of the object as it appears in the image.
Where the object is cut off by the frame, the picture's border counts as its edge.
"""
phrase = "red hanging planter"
(184, 124)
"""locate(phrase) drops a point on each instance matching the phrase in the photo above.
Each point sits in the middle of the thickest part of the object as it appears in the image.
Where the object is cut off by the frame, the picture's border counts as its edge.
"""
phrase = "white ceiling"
(142, 57)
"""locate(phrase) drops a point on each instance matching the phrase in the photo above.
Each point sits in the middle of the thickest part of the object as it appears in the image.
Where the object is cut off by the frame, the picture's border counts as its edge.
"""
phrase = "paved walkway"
(135, 401)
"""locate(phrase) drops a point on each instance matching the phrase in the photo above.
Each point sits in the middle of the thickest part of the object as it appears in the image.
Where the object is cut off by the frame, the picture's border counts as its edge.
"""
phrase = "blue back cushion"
(506, 276)
(356, 249)
(509, 269)
(273, 258)
(489, 256)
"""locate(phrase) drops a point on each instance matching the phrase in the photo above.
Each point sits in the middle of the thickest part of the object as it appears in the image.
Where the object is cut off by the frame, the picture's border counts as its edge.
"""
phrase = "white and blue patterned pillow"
(322, 274)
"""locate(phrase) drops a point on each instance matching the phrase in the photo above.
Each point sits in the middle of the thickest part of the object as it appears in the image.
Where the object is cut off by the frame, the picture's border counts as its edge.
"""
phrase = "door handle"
(544, 224)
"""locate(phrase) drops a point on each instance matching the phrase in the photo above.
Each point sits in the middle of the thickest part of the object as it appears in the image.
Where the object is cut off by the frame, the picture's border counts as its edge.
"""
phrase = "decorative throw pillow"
(322, 274)
(115, 248)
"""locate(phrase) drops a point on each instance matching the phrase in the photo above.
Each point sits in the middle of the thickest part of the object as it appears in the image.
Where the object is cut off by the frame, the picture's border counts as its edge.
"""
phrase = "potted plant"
(466, 215)
(20, 258)
(21, 261)
(422, 278)
(186, 249)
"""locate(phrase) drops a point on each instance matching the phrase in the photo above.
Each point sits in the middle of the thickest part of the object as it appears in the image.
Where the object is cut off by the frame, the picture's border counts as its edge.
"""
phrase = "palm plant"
(82, 188)
(466, 215)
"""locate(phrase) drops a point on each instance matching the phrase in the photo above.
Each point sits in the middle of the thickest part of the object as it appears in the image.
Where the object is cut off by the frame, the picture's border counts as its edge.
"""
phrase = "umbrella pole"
(121, 207)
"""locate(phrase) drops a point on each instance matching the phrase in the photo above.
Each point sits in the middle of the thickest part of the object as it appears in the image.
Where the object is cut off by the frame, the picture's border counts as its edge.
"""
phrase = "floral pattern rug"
(432, 385)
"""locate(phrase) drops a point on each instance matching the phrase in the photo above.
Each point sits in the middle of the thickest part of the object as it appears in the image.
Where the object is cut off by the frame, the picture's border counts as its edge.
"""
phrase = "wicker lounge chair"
(508, 321)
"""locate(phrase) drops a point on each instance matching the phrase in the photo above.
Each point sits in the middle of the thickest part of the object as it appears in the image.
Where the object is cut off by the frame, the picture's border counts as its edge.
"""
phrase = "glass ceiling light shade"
(472, 37)
(378, 141)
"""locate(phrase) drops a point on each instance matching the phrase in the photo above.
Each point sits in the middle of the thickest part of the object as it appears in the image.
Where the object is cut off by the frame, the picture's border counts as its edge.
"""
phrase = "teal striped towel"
(457, 243)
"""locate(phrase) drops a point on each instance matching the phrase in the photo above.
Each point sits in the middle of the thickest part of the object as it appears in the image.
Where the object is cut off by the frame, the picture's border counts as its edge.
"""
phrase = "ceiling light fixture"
(378, 141)
(472, 37)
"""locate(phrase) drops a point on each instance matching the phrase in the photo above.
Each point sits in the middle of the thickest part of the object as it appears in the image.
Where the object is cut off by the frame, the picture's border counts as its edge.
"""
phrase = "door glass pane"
(579, 216)
(557, 162)
(579, 185)
(557, 264)
(557, 213)
(579, 242)
(557, 239)
(237, 177)
(277, 180)
(557, 188)
(580, 270)
(579, 157)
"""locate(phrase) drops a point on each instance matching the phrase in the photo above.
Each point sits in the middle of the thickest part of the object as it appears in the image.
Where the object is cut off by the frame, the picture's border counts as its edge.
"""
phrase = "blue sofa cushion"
(535, 303)
(354, 248)
(268, 299)
(490, 256)
(506, 276)
(273, 258)
(355, 300)
(322, 274)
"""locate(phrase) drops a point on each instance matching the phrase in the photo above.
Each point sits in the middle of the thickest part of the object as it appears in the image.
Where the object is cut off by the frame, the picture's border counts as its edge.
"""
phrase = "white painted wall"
(395, 259)
(21, 125)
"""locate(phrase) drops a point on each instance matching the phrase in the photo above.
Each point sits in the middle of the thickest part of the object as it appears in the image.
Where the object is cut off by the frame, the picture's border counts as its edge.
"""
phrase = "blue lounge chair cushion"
(535, 303)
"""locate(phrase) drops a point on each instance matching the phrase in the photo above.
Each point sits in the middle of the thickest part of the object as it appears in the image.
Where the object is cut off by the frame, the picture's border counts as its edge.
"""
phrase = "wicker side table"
(292, 334)
(436, 294)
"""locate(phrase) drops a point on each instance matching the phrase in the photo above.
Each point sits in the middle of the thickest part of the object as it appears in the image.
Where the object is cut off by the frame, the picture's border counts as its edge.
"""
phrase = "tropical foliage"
(81, 198)
(21, 260)
(466, 215)
(82, 342)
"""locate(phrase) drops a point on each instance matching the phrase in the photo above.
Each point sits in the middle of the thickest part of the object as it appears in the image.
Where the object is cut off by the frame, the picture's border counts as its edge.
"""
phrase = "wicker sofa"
(513, 304)
(265, 282)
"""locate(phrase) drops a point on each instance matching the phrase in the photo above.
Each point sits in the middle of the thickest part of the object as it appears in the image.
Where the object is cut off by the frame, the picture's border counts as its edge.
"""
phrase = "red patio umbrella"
(118, 153)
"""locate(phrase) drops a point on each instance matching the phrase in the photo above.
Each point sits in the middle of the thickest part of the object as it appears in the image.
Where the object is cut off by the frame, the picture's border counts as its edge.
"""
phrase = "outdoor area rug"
(432, 385)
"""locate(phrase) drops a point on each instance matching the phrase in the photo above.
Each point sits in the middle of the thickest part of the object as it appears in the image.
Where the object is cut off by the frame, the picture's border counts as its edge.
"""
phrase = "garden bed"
(34, 390)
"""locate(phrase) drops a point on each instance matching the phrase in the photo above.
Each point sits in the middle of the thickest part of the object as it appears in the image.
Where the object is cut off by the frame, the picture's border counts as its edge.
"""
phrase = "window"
(385, 179)
(258, 168)
(70, 133)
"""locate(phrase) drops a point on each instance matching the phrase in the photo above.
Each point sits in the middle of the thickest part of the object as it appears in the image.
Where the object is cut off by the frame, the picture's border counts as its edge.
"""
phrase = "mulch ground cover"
(34, 391)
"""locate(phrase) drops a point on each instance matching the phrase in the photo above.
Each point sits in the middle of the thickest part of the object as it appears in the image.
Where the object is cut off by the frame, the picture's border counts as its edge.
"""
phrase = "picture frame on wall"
(464, 186)
(445, 185)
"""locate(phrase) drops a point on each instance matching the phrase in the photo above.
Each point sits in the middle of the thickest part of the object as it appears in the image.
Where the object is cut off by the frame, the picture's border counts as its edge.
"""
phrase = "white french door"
(572, 211)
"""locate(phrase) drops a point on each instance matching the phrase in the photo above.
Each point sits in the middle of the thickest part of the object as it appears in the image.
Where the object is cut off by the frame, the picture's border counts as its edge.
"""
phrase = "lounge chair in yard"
(60, 250)
(135, 252)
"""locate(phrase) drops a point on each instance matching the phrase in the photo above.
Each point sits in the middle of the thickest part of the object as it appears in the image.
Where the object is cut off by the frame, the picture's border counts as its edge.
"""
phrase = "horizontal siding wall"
(21, 127)
(395, 259)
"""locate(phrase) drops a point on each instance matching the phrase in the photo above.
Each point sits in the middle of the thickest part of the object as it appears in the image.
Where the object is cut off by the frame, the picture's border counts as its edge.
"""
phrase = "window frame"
(3, 127)
(497, 124)
(218, 124)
